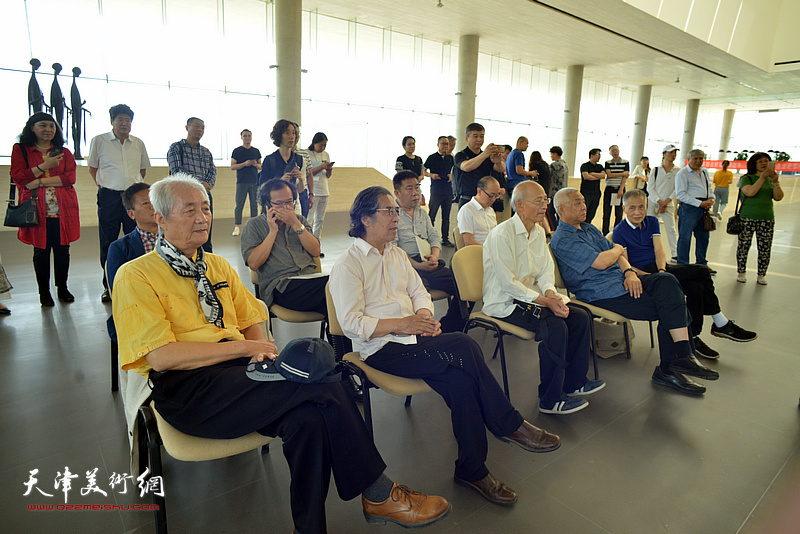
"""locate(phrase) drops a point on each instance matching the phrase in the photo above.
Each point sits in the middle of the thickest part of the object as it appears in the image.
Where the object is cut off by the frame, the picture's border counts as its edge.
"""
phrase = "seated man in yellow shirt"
(174, 308)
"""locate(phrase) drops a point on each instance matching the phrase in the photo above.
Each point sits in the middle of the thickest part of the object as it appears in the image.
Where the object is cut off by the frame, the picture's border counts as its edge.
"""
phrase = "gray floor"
(640, 459)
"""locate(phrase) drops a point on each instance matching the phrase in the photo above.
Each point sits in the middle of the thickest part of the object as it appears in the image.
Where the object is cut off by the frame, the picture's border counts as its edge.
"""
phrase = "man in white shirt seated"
(476, 218)
(423, 243)
(384, 309)
(518, 287)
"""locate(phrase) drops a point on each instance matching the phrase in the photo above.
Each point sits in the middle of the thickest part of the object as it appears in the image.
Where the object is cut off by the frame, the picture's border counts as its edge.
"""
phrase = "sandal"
(741, 278)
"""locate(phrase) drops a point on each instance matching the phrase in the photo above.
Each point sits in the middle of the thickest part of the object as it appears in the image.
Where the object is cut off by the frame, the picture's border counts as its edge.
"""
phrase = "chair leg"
(367, 407)
(408, 401)
(323, 328)
(114, 366)
(593, 339)
(652, 343)
(627, 340)
(153, 441)
(502, 348)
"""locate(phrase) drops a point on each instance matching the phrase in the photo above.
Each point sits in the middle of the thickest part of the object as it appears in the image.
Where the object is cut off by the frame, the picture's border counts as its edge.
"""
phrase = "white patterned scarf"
(185, 267)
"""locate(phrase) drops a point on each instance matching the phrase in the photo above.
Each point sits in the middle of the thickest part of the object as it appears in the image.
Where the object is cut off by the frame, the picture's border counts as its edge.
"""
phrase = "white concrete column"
(467, 80)
(725, 136)
(689, 125)
(640, 123)
(288, 43)
(572, 112)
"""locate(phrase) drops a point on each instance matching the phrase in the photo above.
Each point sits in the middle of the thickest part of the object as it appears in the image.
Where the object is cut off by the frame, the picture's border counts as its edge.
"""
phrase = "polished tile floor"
(640, 459)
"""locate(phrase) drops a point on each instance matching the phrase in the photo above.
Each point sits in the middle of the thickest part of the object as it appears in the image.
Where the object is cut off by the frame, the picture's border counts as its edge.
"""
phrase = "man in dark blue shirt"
(591, 174)
(440, 167)
(599, 273)
(640, 236)
(246, 161)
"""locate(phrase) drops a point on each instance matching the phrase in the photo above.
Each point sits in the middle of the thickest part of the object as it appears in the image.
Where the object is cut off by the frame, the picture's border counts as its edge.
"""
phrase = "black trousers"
(564, 350)
(445, 202)
(304, 295)
(207, 244)
(698, 287)
(442, 279)
(453, 366)
(111, 216)
(41, 258)
(592, 200)
(662, 300)
(607, 209)
(321, 428)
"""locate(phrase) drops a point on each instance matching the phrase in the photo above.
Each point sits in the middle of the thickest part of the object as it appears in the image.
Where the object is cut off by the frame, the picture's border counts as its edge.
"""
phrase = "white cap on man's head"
(669, 148)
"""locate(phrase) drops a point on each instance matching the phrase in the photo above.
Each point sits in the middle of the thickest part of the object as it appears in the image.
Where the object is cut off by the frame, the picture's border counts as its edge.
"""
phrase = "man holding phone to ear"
(117, 160)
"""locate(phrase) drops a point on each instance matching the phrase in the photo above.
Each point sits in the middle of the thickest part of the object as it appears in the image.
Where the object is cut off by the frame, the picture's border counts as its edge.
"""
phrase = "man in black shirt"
(473, 164)
(246, 161)
(591, 174)
(440, 167)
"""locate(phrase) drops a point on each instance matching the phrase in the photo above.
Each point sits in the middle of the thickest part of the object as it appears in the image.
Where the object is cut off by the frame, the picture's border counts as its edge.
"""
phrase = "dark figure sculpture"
(57, 102)
(78, 113)
(35, 96)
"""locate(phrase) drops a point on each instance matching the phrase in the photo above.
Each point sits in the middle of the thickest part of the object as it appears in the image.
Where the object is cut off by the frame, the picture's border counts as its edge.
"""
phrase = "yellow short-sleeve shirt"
(154, 306)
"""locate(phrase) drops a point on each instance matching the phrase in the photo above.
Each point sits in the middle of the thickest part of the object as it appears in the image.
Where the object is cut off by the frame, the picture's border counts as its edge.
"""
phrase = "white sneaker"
(235, 230)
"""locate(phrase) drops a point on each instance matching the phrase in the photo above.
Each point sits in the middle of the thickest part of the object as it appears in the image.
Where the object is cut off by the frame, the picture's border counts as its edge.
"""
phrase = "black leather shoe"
(690, 366)
(46, 300)
(353, 387)
(701, 349)
(106, 296)
(678, 382)
(64, 295)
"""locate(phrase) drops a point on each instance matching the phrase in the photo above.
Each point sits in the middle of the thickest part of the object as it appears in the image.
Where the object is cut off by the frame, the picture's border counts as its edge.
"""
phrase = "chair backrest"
(458, 239)
(467, 267)
(610, 236)
(333, 321)
(558, 281)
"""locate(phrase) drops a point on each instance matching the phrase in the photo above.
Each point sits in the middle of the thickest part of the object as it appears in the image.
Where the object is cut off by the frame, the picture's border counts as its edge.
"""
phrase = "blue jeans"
(690, 221)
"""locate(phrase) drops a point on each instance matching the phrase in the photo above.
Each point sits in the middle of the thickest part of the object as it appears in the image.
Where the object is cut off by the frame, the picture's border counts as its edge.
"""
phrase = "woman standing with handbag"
(41, 163)
(760, 187)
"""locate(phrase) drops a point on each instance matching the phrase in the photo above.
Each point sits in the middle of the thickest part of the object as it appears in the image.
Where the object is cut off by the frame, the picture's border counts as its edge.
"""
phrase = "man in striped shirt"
(617, 171)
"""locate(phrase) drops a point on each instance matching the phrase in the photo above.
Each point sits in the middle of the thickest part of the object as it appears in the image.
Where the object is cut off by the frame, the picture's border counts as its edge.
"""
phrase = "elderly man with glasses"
(518, 287)
(476, 218)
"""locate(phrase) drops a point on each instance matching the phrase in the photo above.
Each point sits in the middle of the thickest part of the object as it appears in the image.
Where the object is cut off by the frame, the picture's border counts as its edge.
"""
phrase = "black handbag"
(735, 222)
(25, 214)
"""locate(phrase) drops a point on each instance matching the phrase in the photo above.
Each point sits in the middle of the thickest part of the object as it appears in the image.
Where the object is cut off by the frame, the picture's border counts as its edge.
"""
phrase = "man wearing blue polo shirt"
(640, 236)
(599, 273)
(515, 166)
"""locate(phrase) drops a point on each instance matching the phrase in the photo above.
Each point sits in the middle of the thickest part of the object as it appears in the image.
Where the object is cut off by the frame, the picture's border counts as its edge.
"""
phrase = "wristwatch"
(300, 230)
(629, 269)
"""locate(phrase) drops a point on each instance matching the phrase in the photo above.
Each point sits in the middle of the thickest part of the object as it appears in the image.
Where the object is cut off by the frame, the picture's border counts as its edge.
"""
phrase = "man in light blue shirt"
(422, 242)
(694, 191)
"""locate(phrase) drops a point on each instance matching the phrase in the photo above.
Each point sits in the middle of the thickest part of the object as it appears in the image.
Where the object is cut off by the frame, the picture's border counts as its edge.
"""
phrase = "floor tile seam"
(583, 441)
(769, 486)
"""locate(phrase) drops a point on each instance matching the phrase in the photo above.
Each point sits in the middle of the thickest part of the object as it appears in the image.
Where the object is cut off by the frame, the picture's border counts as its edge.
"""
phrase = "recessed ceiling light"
(750, 87)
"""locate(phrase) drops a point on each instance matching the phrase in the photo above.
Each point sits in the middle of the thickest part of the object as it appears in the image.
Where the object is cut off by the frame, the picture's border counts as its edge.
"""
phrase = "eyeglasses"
(391, 212)
(285, 204)
(493, 196)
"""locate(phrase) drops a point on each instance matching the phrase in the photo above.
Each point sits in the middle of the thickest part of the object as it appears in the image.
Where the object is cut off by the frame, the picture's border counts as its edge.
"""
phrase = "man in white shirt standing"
(117, 160)
(661, 202)
(694, 191)
(518, 287)
(476, 218)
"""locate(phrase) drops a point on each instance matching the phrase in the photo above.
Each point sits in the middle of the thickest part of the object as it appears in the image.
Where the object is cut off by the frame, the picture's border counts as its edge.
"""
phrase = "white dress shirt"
(476, 220)
(662, 184)
(367, 286)
(691, 186)
(118, 164)
(515, 266)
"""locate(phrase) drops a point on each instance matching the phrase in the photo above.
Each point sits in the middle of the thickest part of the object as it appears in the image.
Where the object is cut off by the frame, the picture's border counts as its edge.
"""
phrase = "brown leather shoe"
(533, 439)
(492, 490)
(406, 507)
